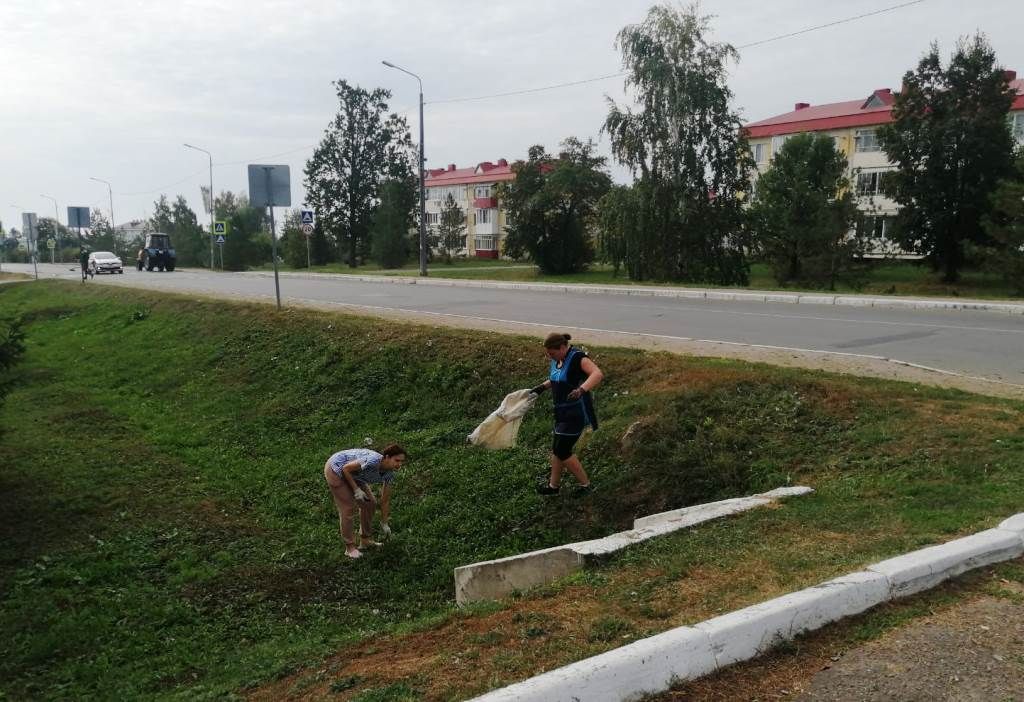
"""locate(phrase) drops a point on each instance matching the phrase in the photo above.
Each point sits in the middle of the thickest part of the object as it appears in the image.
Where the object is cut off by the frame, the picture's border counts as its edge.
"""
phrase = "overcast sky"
(112, 89)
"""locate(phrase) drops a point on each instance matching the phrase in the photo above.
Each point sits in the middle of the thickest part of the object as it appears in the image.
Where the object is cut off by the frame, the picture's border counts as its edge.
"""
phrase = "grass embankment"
(165, 530)
(906, 278)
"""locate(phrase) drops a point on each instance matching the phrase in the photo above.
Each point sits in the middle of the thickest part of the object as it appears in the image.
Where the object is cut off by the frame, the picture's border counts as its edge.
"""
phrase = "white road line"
(719, 310)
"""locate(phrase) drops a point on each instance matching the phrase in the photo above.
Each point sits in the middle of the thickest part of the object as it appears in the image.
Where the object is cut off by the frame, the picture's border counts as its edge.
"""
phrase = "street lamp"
(210, 156)
(56, 225)
(110, 190)
(422, 165)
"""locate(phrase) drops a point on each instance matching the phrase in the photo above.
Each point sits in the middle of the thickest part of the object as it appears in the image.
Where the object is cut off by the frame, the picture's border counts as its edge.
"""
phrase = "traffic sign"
(51, 244)
(307, 217)
(307, 229)
(220, 227)
(78, 218)
(220, 239)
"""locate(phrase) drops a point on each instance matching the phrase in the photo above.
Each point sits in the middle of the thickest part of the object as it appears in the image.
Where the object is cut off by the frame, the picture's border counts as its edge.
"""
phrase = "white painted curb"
(491, 580)
(689, 652)
(727, 295)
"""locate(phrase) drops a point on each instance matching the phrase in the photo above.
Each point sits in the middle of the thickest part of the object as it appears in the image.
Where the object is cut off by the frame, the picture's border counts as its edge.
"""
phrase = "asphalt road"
(973, 343)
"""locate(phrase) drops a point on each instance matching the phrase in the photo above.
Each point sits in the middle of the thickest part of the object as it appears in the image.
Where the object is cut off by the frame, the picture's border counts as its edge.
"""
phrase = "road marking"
(717, 310)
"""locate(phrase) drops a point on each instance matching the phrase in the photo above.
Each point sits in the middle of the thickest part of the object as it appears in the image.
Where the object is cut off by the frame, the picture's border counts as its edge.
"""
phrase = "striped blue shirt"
(369, 462)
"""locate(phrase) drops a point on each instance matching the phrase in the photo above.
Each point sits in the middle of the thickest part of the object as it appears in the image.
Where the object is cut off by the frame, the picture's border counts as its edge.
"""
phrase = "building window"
(432, 217)
(777, 142)
(483, 191)
(483, 216)
(486, 243)
(877, 227)
(757, 151)
(869, 183)
(866, 140)
(1017, 126)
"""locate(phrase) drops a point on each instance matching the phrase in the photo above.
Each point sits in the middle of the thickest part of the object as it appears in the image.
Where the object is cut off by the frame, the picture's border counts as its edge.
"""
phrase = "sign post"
(307, 229)
(270, 186)
(219, 230)
(51, 245)
(28, 225)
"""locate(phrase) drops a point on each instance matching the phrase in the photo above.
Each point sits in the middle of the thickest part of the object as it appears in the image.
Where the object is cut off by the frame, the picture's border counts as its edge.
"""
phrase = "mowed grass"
(165, 531)
(906, 278)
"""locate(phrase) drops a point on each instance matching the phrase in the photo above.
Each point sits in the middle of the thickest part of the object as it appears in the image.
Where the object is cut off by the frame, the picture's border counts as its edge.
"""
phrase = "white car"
(104, 262)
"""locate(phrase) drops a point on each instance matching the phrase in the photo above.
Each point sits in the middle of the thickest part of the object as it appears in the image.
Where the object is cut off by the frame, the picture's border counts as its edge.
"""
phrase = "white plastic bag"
(501, 427)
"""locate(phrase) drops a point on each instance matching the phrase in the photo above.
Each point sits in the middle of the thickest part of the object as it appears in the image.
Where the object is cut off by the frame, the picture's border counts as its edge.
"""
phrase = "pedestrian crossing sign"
(220, 228)
(220, 239)
(307, 216)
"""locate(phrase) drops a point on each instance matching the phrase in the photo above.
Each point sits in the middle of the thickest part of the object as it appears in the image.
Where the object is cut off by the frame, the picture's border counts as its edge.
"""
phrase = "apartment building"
(853, 125)
(474, 191)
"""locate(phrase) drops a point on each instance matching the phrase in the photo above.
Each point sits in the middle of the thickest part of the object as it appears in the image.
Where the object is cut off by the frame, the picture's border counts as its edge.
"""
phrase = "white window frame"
(1017, 125)
(483, 217)
(757, 151)
(778, 141)
(482, 191)
(866, 141)
(874, 179)
(485, 242)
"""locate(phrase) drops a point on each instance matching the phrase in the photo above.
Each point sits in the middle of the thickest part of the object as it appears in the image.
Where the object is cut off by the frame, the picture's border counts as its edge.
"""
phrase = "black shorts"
(564, 444)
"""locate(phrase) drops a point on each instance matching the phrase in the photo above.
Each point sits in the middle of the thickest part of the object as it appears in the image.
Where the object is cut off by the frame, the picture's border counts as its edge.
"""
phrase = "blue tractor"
(158, 253)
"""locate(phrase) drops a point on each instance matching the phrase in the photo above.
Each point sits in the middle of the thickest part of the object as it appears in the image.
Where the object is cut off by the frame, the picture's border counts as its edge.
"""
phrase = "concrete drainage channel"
(689, 652)
(492, 580)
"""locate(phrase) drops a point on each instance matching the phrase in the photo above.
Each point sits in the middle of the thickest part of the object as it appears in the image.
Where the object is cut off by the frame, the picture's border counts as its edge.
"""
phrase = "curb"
(706, 294)
(655, 664)
(491, 580)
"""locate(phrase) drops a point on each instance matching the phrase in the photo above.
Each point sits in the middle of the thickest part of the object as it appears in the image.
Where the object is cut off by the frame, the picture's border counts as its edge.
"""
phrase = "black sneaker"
(583, 490)
(546, 489)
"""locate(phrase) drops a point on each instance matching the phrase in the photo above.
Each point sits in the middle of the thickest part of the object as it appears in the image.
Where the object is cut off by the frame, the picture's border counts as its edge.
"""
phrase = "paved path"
(984, 345)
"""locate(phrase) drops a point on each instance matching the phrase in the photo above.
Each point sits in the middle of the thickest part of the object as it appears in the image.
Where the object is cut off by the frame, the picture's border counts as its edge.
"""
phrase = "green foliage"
(687, 144)
(392, 222)
(163, 507)
(551, 205)
(451, 229)
(12, 346)
(362, 147)
(248, 244)
(951, 145)
(617, 226)
(803, 212)
(191, 243)
(1005, 225)
(292, 245)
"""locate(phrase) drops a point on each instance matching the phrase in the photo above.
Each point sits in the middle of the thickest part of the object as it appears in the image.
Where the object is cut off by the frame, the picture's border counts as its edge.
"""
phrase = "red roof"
(485, 172)
(875, 109)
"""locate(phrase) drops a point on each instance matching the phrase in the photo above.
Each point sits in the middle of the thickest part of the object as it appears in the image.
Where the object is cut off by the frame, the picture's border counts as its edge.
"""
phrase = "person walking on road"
(572, 377)
(83, 261)
(349, 474)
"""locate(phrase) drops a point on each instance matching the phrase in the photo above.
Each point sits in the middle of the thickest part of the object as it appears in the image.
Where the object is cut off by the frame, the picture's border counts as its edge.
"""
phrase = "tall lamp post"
(422, 165)
(110, 191)
(56, 225)
(209, 156)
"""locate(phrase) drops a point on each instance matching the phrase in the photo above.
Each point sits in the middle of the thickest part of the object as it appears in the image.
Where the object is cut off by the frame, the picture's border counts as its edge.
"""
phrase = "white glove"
(385, 530)
(360, 495)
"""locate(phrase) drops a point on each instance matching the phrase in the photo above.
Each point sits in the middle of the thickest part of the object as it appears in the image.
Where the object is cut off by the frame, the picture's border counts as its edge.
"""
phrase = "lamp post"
(209, 156)
(422, 165)
(110, 191)
(56, 225)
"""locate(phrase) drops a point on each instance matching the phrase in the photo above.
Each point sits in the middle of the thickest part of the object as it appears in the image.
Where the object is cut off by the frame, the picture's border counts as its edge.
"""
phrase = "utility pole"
(210, 156)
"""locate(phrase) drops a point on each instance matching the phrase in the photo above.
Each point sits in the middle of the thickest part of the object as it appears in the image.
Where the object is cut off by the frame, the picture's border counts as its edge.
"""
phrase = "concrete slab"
(626, 673)
(1014, 523)
(492, 580)
(926, 568)
(750, 632)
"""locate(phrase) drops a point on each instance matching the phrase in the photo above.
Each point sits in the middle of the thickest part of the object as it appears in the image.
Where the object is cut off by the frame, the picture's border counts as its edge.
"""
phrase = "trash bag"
(501, 427)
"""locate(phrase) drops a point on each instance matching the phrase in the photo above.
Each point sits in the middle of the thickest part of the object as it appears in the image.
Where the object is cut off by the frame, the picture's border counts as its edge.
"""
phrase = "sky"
(112, 89)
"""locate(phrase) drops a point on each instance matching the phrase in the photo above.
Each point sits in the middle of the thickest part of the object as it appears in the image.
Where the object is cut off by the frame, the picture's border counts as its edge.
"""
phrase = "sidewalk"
(707, 294)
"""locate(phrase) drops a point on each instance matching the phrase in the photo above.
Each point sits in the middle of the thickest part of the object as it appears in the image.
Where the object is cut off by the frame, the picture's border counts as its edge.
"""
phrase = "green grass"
(165, 531)
(906, 278)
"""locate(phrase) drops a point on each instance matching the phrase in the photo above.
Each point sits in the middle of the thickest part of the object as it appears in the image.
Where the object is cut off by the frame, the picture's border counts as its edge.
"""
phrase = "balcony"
(485, 203)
